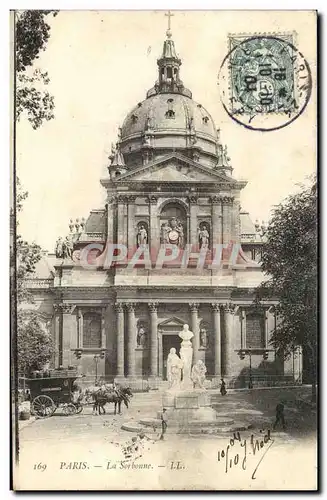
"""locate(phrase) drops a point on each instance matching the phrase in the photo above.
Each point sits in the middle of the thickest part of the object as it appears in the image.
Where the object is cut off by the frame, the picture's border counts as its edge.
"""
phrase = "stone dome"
(167, 112)
(167, 120)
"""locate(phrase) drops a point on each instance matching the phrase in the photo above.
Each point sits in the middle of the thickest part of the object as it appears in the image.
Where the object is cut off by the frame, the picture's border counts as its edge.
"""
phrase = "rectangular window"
(255, 331)
(91, 330)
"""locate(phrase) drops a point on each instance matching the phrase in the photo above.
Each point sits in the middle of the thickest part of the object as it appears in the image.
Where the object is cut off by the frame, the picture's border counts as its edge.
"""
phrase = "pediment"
(174, 168)
(172, 322)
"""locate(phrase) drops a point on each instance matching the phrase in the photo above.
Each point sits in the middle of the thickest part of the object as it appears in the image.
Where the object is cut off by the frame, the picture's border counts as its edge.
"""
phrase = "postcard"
(164, 250)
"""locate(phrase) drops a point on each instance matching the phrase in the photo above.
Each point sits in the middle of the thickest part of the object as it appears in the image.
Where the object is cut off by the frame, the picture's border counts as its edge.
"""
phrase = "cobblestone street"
(95, 443)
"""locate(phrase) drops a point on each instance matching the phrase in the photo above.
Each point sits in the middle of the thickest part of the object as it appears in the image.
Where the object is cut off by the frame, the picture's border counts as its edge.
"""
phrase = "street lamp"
(97, 358)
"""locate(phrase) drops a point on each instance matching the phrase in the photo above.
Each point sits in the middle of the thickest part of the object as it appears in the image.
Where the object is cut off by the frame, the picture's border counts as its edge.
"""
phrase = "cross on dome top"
(168, 32)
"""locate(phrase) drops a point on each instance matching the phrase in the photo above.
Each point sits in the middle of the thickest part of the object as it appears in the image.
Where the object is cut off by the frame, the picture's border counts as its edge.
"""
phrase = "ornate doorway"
(168, 337)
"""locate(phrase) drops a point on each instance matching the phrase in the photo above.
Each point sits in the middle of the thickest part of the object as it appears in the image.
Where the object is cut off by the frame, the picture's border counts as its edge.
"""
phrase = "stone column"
(153, 307)
(235, 220)
(80, 328)
(58, 335)
(69, 331)
(193, 235)
(154, 229)
(227, 343)
(131, 236)
(120, 338)
(111, 214)
(194, 307)
(131, 342)
(227, 212)
(243, 329)
(217, 339)
(216, 215)
(121, 207)
(103, 328)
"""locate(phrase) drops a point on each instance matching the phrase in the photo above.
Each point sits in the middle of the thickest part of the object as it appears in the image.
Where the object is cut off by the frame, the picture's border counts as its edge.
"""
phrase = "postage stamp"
(265, 81)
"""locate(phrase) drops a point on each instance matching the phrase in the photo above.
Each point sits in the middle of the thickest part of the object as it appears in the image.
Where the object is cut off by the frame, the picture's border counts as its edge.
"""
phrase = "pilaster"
(194, 307)
(217, 339)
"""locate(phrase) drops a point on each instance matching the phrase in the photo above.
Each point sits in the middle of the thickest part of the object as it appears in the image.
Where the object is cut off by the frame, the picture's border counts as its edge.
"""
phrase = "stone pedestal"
(188, 407)
(188, 412)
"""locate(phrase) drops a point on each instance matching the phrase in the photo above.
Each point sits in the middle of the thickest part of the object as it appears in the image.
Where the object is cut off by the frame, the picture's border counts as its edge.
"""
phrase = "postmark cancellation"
(265, 81)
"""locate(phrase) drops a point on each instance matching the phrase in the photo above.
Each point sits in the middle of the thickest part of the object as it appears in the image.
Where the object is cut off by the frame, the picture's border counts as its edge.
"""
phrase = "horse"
(116, 396)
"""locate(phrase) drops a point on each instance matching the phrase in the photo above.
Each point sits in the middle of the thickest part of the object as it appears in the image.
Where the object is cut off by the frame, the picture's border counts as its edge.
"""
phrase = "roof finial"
(168, 32)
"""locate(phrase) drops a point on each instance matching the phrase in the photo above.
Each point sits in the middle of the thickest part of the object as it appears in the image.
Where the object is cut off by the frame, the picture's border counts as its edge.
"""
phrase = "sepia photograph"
(163, 250)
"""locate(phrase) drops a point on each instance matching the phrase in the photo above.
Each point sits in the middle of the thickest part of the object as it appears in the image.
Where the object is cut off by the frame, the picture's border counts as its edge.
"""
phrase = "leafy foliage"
(32, 35)
(27, 254)
(290, 261)
(34, 343)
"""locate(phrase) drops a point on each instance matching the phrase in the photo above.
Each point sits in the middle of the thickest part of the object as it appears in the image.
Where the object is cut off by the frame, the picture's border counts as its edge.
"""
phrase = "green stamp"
(265, 81)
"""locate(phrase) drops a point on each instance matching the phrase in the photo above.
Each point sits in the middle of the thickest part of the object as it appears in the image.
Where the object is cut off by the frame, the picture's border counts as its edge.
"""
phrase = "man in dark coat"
(163, 417)
(223, 390)
(280, 417)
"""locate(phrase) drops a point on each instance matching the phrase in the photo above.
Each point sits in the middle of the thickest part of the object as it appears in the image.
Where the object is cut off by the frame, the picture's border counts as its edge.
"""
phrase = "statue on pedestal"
(198, 375)
(186, 354)
(142, 236)
(174, 370)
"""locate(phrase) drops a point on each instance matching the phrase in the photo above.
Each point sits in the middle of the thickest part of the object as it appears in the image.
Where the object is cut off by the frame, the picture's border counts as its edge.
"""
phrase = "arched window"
(255, 331)
(91, 330)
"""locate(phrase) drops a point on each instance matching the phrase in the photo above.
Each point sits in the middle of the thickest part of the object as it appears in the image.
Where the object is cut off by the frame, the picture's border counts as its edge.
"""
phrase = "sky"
(100, 65)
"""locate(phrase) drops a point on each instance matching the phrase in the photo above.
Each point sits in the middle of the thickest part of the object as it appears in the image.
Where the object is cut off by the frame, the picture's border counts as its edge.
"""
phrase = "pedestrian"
(280, 417)
(223, 390)
(163, 418)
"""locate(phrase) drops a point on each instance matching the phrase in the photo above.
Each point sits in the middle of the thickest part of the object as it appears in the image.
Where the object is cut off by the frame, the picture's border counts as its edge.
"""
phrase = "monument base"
(188, 412)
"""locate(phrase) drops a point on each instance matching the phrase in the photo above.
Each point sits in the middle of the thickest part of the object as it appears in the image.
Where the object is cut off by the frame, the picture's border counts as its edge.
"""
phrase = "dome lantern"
(168, 68)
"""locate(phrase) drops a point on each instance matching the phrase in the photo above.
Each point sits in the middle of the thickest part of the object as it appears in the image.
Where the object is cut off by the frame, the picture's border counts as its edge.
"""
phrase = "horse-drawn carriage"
(48, 393)
(58, 388)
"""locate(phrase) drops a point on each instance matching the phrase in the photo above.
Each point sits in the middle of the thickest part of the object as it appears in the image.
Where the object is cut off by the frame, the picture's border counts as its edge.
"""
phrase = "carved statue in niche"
(142, 235)
(174, 232)
(164, 231)
(204, 235)
(204, 340)
(141, 337)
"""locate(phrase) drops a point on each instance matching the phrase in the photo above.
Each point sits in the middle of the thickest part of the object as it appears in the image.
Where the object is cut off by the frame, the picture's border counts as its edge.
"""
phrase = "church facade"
(171, 246)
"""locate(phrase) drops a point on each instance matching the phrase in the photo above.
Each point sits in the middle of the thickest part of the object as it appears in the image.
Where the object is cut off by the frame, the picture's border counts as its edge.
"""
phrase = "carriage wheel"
(69, 409)
(43, 406)
(79, 409)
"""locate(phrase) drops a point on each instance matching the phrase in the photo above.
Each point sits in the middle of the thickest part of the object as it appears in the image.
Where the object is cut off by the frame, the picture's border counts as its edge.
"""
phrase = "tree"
(35, 346)
(32, 35)
(290, 262)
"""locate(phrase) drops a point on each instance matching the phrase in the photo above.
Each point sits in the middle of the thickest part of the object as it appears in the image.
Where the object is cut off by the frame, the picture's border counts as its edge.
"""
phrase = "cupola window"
(205, 120)
(170, 113)
(134, 118)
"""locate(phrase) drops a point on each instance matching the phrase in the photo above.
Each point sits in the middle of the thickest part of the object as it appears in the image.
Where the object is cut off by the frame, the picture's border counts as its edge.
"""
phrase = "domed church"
(192, 257)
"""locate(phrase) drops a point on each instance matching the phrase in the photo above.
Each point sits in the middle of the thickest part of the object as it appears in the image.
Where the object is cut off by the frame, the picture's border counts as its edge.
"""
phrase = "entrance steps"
(162, 385)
